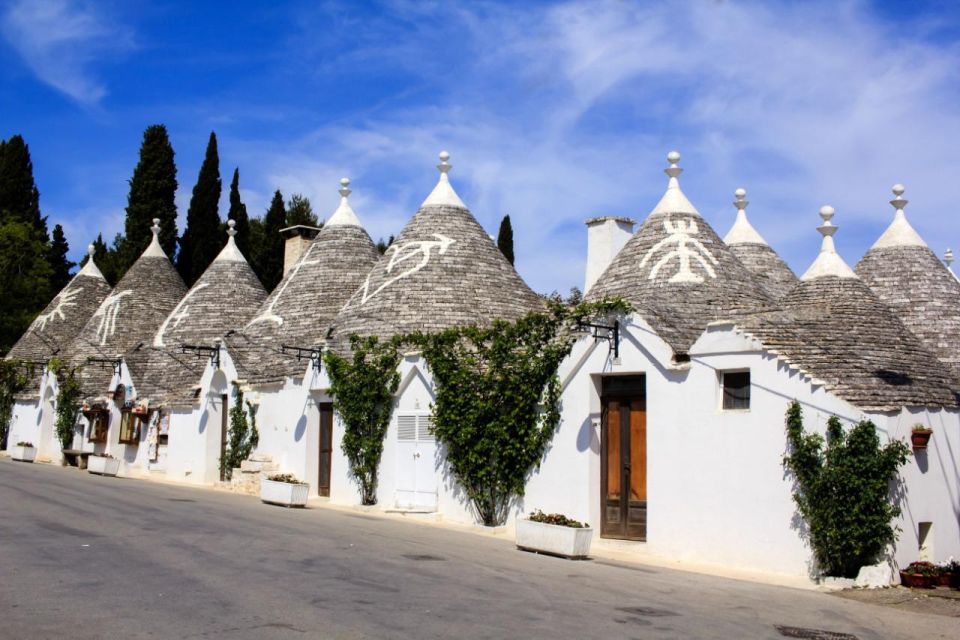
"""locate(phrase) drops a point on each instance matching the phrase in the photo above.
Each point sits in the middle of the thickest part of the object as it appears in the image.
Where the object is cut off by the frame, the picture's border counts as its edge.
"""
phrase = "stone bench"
(76, 458)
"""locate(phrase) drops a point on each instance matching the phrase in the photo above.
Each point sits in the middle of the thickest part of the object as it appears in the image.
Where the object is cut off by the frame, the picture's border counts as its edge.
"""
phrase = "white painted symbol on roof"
(108, 313)
(180, 313)
(268, 315)
(65, 300)
(687, 247)
(404, 253)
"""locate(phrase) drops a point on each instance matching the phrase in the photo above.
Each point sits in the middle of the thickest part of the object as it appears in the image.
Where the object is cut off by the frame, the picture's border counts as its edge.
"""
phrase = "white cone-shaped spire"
(742, 232)
(948, 260)
(674, 201)
(230, 253)
(829, 262)
(90, 269)
(443, 193)
(155, 250)
(899, 233)
(344, 215)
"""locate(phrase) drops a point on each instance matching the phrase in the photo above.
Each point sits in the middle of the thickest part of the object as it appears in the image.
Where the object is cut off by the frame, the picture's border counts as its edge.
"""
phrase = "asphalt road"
(88, 557)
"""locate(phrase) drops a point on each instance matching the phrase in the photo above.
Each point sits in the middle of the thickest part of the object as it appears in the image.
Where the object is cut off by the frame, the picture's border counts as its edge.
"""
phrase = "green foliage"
(238, 213)
(202, 240)
(19, 196)
(497, 397)
(68, 400)
(557, 519)
(843, 491)
(153, 190)
(243, 436)
(505, 239)
(362, 389)
(15, 375)
(25, 285)
(299, 211)
(383, 245)
(266, 243)
(60, 265)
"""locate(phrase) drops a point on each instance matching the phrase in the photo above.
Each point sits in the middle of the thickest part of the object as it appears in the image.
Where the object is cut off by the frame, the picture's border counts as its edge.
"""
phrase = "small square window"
(129, 428)
(736, 390)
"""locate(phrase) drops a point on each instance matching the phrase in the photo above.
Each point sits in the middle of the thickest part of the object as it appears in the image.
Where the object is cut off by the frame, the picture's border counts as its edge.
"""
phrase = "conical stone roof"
(677, 273)
(224, 298)
(300, 310)
(53, 330)
(443, 270)
(131, 314)
(905, 274)
(757, 256)
(832, 327)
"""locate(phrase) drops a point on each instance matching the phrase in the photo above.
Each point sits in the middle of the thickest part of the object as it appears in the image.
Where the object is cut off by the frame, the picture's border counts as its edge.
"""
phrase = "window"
(412, 427)
(129, 428)
(736, 390)
(99, 425)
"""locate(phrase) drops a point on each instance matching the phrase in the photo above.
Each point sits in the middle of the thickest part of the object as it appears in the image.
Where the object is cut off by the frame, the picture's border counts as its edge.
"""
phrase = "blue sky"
(552, 112)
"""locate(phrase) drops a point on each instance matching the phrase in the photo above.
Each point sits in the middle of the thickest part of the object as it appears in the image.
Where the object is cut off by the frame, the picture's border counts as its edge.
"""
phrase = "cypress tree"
(267, 243)
(201, 240)
(238, 213)
(25, 285)
(19, 196)
(153, 190)
(505, 239)
(299, 212)
(57, 257)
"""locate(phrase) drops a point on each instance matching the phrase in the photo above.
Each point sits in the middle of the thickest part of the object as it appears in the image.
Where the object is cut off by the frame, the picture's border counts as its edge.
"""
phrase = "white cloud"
(60, 41)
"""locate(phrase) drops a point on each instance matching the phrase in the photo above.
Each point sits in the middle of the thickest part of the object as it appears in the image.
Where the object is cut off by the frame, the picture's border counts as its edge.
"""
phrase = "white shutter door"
(406, 428)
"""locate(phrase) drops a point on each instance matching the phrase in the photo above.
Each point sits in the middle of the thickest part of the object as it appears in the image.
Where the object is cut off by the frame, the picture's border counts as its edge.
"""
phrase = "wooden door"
(224, 422)
(326, 448)
(623, 446)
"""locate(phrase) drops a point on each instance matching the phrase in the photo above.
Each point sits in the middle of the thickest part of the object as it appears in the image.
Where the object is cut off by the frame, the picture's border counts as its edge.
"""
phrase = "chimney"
(605, 237)
(298, 238)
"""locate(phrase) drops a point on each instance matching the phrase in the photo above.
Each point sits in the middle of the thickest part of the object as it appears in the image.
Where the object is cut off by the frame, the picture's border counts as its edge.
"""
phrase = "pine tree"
(505, 239)
(57, 257)
(299, 212)
(238, 213)
(201, 240)
(19, 196)
(153, 190)
(267, 244)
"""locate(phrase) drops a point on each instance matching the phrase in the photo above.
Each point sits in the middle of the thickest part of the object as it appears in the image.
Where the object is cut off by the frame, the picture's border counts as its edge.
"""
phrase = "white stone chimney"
(605, 237)
(298, 238)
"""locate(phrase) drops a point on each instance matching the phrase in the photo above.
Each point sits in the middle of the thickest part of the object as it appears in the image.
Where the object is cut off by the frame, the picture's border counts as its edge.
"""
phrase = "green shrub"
(243, 436)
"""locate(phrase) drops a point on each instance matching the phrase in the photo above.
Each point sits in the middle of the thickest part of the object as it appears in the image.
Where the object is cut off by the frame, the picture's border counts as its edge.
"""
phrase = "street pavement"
(83, 556)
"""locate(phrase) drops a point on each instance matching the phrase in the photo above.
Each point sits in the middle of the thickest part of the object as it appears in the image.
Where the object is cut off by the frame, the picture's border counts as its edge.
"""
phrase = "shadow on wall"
(301, 428)
(204, 417)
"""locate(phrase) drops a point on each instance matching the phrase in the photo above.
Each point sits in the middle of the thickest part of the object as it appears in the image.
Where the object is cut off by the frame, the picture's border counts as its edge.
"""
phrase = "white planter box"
(284, 493)
(24, 454)
(103, 466)
(554, 539)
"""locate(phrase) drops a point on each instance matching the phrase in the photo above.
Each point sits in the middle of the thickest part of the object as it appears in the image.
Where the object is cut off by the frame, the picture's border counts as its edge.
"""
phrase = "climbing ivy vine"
(243, 435)
(497, 397)
(69, 401)
(362, 385)
(843, 491)
(15, 375)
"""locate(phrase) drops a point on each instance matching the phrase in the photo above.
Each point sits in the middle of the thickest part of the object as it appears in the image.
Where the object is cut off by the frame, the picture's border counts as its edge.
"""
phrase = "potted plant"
(103, 464)
(554, 534)
(920, 575)
(949, 573)
(284, 489)
(24, 452)
(920, 436)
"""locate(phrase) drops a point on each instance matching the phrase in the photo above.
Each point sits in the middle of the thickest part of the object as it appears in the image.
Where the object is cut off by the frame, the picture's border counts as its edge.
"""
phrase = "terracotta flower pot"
(915, 580)
(944, 579)
(920, 439)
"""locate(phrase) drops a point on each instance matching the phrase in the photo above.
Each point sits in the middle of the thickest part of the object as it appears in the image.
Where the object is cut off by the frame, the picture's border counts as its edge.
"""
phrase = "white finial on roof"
(344, 215)
(90, 268)
(829, 262)
(899, 233)
(155, 250)
(443, 193)
(231, 252)
(742, 232)
(948, 259)
(673, 201)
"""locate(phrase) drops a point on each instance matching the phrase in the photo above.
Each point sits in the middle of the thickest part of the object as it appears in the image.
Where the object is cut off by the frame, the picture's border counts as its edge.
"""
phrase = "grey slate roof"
(771, 271)
(838, 331)
(677, 273)
(225, 297)
(443, 270)
(131, 314)
(923, 293)
(58, 325)
(302, 307)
